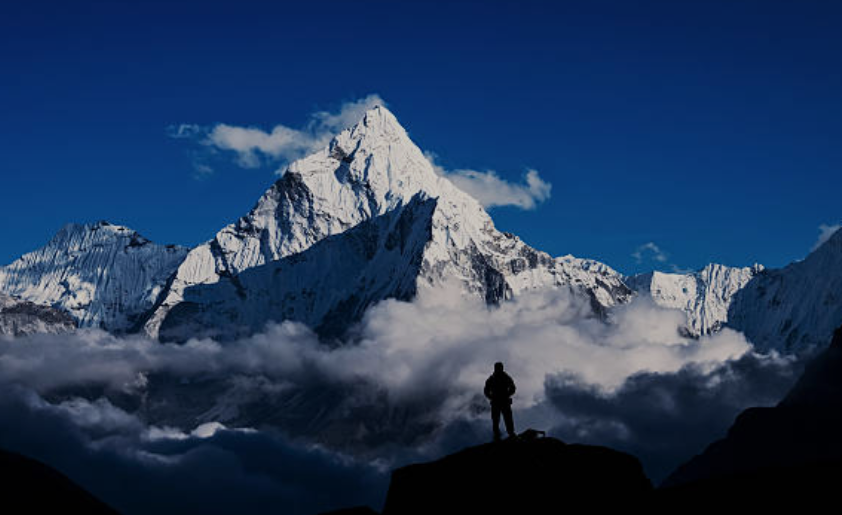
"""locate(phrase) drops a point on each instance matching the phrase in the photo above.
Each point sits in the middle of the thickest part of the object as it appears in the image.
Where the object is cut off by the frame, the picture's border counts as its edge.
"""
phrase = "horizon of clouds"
(825, 232)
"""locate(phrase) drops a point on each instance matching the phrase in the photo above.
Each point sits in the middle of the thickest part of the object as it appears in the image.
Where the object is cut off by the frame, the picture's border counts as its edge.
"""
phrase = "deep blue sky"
(713, 129)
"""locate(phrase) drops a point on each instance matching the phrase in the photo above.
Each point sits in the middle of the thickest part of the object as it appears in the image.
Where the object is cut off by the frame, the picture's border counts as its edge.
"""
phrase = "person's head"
(498, 367)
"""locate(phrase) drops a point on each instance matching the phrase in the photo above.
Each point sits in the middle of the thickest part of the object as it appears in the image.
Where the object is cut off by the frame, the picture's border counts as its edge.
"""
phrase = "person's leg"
(507, 418)
(495, 420)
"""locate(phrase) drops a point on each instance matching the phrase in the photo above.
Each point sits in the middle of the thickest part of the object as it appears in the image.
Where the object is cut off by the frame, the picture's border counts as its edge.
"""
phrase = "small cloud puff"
(825, 232)
(493, 191)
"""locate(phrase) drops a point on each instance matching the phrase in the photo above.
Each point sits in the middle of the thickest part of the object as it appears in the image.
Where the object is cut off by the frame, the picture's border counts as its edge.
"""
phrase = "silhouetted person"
(499, 388)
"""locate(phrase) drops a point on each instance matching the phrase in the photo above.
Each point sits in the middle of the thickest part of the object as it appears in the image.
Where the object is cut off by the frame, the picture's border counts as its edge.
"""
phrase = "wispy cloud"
(649, 250)
(825, 232)
(254, 147)
(492, 191)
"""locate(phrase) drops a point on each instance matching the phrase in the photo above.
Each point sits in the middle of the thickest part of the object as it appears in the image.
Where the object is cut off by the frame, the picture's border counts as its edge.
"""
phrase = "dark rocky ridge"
(789, 453)
(29, 486)
(543, 475)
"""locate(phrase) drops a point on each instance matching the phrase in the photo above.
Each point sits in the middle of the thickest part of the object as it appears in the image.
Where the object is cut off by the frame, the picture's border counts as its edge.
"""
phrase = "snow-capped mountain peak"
(104, 275)
(366, 172)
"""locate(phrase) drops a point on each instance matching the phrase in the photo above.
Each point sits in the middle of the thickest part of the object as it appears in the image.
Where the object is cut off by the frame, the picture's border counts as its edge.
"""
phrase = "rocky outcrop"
(21, 318)
(542, 475)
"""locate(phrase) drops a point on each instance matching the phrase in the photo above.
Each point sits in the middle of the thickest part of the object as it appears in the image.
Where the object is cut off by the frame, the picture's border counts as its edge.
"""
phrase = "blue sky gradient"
(712, 129)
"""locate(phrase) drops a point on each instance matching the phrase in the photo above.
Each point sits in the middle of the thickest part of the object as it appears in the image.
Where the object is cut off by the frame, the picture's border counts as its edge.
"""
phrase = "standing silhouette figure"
(499, 388)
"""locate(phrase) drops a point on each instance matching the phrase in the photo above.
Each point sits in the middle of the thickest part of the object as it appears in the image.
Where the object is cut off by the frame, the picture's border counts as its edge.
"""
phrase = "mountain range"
(368, 218)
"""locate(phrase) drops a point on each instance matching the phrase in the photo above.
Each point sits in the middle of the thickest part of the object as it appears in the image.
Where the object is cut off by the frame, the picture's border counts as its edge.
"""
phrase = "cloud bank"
(407, 388)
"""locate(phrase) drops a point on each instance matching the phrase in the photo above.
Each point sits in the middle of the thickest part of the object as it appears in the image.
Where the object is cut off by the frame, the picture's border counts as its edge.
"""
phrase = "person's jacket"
(499, 387)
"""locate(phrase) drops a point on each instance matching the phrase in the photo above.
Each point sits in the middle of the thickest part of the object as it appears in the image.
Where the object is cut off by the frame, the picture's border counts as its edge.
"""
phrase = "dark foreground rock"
(537, 476)
(789, 453)
(29, 486)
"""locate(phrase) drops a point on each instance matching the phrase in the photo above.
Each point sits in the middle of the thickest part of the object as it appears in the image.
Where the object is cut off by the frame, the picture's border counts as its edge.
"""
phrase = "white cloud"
(825, 232)
(254, 147)
(492, 191)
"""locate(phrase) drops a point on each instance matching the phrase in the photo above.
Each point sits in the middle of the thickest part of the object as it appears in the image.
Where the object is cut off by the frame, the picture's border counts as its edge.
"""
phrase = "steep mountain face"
(104, 275)
(21, 318)
(324, 286)
(704, 296)
(368, 171)
(796, 307)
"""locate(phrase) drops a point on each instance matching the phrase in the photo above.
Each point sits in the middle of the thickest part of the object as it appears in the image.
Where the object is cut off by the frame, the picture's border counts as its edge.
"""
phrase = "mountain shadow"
(29, 486)
(328, 286)
(789, 453)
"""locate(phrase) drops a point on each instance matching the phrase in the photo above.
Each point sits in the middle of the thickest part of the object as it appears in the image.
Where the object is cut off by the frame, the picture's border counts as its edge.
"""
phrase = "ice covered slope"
(795, 307)
(704, 296)
(365, 172)
(104, 275)
(20, 318)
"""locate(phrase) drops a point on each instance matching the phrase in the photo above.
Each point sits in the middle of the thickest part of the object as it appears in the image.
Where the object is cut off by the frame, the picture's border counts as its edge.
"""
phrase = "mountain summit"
(369, 189)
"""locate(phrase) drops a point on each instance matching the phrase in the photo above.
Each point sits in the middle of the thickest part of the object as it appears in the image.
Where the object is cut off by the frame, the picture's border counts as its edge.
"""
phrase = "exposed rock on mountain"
(20, 318)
